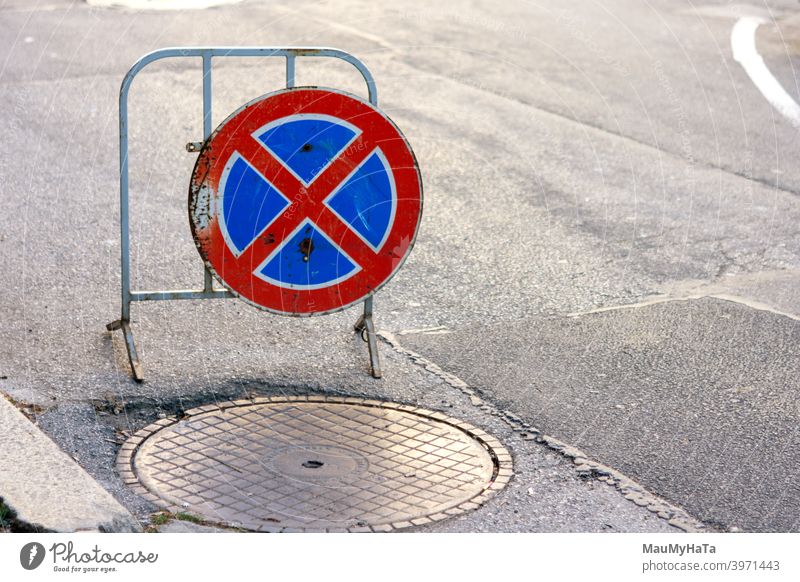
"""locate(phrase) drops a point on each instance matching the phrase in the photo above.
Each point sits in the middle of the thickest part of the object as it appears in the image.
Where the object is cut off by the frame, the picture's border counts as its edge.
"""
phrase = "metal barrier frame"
(365, 323)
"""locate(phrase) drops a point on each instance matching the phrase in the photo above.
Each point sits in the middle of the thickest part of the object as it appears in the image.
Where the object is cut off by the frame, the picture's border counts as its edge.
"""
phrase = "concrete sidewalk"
(45, 489)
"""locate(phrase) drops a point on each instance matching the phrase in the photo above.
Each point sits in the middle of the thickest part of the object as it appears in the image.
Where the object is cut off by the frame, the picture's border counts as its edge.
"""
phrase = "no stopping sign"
(305, 201)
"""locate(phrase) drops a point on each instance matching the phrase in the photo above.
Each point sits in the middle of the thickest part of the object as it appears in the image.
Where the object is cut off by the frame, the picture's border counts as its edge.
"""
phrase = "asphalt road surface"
(609, 250)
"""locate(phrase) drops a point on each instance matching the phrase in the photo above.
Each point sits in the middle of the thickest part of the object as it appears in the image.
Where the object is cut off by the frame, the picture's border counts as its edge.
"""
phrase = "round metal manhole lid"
(315, 464)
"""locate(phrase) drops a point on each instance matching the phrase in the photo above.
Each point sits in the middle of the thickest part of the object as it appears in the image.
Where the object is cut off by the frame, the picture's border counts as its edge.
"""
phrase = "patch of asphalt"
(766, 290)
(694, 399)
(584, 467)
(546, 493)
(594, 66)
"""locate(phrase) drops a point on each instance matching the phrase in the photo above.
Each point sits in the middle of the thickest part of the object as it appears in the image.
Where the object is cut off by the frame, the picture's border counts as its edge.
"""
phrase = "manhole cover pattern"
(315, 464)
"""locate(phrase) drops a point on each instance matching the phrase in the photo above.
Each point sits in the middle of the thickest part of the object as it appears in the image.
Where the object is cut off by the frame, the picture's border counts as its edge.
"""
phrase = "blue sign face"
(307, 258)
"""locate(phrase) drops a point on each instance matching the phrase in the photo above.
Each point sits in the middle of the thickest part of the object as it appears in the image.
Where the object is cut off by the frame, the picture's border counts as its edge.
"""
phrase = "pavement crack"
(694, 294)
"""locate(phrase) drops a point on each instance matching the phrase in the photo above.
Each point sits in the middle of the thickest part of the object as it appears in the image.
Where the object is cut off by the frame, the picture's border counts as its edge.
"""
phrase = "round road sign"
(305, 201)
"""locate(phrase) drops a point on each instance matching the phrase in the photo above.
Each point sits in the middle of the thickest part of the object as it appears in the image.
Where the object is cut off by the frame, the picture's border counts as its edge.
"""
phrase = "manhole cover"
(315, 464)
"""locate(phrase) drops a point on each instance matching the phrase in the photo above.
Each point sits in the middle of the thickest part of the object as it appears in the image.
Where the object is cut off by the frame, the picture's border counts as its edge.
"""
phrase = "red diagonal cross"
(305, 201)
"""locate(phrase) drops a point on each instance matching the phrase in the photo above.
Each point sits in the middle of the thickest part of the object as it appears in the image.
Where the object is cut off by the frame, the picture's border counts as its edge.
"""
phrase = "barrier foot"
(366, 327)
(130, 345)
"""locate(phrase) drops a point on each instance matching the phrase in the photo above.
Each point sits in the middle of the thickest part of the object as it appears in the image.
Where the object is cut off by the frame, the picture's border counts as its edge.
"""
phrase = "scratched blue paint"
(307, 145)
(308, 259)
(365, 200)
(249, 204)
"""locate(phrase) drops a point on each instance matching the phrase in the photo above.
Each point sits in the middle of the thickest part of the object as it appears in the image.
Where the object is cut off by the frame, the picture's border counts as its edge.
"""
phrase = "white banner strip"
(462, 557)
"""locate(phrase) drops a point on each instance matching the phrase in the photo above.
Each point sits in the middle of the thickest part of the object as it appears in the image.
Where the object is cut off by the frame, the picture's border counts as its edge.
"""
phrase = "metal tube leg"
(130, 345)
(372, 342)
(133, 356)
(366, 325)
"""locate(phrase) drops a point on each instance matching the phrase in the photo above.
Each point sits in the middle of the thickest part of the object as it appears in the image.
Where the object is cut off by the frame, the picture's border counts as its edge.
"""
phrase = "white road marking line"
(743, 44)
(161, 4)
